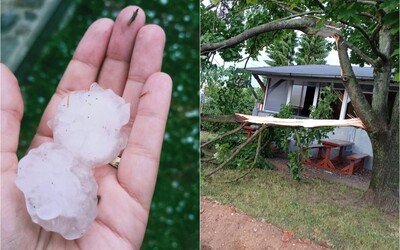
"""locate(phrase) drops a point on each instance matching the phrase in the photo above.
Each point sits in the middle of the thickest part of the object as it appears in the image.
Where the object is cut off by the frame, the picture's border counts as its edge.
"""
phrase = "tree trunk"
(383, 190)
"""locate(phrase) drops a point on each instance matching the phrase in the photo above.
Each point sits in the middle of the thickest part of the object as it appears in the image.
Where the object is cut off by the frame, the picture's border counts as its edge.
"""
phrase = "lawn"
(316, 209)
(322, 211)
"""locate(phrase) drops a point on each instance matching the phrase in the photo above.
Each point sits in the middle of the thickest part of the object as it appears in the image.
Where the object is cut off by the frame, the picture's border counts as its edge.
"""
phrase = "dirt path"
(224, 227)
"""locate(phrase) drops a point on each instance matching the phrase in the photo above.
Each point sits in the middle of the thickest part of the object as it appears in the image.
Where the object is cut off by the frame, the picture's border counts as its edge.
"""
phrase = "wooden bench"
(312, 161)
(249, 130)
(356, 163)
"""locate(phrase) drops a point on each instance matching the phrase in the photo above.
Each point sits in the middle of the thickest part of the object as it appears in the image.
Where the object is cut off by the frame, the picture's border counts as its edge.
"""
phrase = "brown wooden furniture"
(312, 161)
(356, 162)
(249, 130)
(338, 163)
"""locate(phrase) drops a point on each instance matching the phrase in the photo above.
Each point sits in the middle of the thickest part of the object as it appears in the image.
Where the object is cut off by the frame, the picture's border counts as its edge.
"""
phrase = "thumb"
(12, 109)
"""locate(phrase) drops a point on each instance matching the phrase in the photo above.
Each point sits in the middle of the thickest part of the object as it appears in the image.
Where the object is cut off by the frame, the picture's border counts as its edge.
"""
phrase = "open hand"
(126, 58)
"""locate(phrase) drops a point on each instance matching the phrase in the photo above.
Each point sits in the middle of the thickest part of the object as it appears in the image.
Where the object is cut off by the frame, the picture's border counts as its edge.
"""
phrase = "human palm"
(126, 58)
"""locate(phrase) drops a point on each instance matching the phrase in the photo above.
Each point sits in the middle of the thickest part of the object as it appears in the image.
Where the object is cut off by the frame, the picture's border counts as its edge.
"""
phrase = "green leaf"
(215, 1)
(396, 77)
(250, 2)
(389, 5)
(320, 23)
(396, 52)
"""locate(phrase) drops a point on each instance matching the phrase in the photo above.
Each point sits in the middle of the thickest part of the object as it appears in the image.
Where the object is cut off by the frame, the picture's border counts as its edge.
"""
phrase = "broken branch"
(306, 123)
(255, 158)
(224, 135)
(236, 152)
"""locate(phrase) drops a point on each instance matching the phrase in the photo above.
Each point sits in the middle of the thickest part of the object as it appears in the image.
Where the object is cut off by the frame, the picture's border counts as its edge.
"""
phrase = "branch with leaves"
(305, 24)
(224, 135)
(370, 39)
(236, 151)
(254, 161)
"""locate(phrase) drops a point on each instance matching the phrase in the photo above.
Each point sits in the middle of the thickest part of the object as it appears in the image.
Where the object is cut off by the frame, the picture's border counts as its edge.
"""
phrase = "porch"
(300, 86)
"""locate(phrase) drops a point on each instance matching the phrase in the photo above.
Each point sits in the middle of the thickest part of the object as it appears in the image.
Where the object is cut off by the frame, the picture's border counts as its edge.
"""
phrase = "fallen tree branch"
(210, 159)
(236, 152)
(255, 158)
(224, 135)
(306, 123)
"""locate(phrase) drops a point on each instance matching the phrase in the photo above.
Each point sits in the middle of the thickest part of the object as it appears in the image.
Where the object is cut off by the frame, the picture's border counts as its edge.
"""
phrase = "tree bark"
(360, 103)
(383, 190)
(223, 136)
(384, 187)
(305, 24)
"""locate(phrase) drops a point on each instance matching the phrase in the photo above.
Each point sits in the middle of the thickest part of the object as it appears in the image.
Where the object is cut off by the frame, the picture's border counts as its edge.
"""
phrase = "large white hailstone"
(60, 191)
(88, 123)
(56, 178)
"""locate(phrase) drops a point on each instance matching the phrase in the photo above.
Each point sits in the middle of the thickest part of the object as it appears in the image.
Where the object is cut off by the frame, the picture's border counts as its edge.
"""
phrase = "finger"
(81, 72)
(114, 71)
(139, 163)
(85, 65)
(146, 60)
(12, 109)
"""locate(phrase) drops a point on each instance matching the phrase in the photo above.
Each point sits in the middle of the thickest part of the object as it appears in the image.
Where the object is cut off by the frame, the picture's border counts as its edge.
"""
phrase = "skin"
(127, 59)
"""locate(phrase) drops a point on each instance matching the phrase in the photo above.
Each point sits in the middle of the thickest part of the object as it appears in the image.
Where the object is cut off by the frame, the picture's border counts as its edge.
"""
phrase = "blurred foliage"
(313, 50)
(174, 216)
(281, 52)
(309, 49)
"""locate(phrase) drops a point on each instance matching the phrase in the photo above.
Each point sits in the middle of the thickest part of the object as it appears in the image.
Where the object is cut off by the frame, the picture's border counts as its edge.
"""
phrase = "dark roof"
(314, 71)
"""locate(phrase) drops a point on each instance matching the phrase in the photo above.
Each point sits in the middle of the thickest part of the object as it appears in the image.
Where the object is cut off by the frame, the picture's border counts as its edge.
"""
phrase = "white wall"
(362, 143)
(277, 96)
(358, 136)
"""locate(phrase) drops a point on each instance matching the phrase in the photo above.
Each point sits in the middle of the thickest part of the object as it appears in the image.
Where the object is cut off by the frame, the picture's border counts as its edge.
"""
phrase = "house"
(300, 86)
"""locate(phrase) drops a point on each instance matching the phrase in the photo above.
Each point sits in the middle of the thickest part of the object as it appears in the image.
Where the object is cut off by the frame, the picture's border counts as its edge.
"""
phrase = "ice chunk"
(88, 123)
(59, 190)
(56, 178)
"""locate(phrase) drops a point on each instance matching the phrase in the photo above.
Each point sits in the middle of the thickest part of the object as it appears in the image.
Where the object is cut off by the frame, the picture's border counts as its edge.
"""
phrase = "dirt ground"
(225, 227)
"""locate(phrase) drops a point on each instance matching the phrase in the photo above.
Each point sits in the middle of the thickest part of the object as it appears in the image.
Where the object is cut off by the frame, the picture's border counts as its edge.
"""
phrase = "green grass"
(316, 209)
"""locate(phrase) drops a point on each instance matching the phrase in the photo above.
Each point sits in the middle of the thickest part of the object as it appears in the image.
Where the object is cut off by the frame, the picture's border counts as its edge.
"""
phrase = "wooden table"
(325, 161)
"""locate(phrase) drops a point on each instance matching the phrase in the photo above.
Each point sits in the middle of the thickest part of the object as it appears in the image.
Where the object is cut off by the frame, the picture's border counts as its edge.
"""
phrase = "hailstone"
(56, 178)
(88, 123)
(60, 191)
